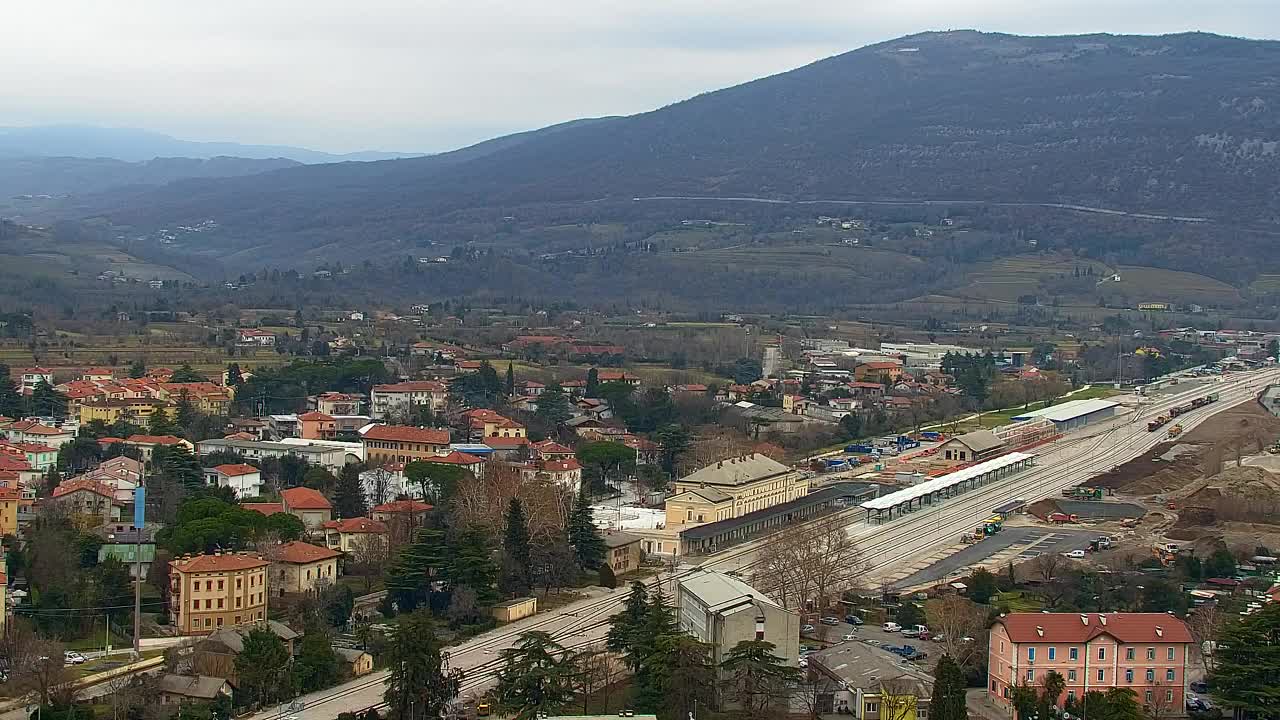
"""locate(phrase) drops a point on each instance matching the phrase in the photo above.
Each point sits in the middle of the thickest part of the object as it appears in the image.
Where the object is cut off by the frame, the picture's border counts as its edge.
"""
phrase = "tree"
(263, 668)
(553, 565)
(179, 466)
(439, 482)
(608, 579)
(1047, 566)
(317, 665)
(680, 676)
(809, 563)
(10, 398)
(982, 585)
(137, 369)
(948, 700)
(674, 439)
(348, 495)
(583, 534)
(536, 677)
(553, 406)
(410, 578)
(46, 401)
(368, 558)
(511, 380)
(851, 426)
(909, 614)
(516, 547)
(160, 423)
(603, 458)
(318, 478)
(186, 374)
(624, 627)
(955, 623)
(1206, 623)
(420, 683)
(473, 568)
(234, 376)
(756, 680)
(1247, 663)
(592, 388)
(1221, 564)
(34, 663)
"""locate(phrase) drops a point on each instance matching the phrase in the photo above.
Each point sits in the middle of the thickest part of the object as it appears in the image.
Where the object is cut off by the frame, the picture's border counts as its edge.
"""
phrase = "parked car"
(807, 628)
(71, 657)
(1199, 686)
(853, 619)
(1074, 554)
(910, 633)
(804, 662)
(829, 620)
(891, 627)
(849, 636)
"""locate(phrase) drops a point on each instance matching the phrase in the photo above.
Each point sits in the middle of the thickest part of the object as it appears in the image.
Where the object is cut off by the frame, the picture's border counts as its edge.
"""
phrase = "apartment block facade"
(209, 592)
(1143, 652)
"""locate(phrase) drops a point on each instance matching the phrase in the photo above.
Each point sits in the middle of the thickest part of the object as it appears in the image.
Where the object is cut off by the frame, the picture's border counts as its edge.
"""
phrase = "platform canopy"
(928, 487)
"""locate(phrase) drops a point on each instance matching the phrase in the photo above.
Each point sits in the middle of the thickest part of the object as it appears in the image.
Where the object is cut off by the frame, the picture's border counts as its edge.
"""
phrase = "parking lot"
(871, 636)
(1011, 544)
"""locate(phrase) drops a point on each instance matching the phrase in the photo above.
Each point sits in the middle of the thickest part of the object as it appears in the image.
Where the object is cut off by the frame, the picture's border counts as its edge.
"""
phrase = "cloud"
(435, 74)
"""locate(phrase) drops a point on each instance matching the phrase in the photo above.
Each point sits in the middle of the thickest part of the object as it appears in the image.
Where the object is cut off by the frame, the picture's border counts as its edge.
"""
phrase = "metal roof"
(915, 492)
(1068, 410)
(850, 490)
(720, 592)
(736, 471)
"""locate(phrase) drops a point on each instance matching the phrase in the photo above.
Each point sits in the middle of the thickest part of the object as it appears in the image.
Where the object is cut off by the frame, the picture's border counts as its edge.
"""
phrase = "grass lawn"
(357, 584)
(1018, 601)
(1096, 391)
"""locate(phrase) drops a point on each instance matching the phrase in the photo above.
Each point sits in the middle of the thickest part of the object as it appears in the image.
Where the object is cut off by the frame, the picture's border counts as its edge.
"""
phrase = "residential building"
(331, 457)
(40, 457)
(147, 444)
(732, 488)
(28, 378)
(215, 654)
(551, 450)
(136, 549)
(884, 372)
(98, 374)
(244, 480)
(253, 336)
(308, 505)
(298, 567)
(133, 410)
(403, 443)
(209, 592)
(10, 502)
(32, 431)
(466, 461)
(88, 498)
(722, 611)
(175, 689)
(401, 400)
(355, 663)
(606, 375)
(869, 684)
(336, 403)
(483, 424)
(317, 426)
(1143, 652)
(348, 533)
(566, 473)
(622, 551)
(413, 512)
(971, 446)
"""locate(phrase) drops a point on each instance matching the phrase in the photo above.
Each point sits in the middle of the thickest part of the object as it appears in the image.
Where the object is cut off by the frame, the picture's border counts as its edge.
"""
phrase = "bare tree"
(1046, 566)
(954, 618)
(810, 563)
(597, 670)
(1162, 704)
(36, 664)
(377, 486)
(899, 697)
(368, 558)
(1206, 622)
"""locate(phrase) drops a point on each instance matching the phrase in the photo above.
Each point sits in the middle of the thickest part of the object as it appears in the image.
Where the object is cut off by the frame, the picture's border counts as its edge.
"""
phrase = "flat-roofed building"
(722, 611)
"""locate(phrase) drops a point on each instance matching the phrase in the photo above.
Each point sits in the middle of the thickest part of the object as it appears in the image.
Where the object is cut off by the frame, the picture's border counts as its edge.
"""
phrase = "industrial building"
(722, 611)
(1072, 415)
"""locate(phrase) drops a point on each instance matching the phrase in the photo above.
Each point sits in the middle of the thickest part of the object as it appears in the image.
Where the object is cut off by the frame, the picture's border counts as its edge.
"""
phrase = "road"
(887, 547)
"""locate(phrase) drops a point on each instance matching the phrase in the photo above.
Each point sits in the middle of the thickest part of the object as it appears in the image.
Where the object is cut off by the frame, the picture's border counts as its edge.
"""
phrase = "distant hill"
(1185, 125)
(132, 145)
(34, 176)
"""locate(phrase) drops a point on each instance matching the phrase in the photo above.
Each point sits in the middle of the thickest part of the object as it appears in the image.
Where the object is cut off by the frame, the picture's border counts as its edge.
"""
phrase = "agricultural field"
(825, 259)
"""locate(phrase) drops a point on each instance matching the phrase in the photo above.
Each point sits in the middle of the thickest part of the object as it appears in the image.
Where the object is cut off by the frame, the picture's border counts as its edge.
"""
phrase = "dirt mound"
(1246, 424)
(1043, 508)
(1151, 474)
(1240, 494)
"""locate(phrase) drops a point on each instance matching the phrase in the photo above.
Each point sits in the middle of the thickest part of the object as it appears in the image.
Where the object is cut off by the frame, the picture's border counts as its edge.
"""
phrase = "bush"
(607, 578)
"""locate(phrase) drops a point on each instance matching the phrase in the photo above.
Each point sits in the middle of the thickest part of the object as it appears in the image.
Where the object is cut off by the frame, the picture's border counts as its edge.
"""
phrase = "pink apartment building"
(1144, 652)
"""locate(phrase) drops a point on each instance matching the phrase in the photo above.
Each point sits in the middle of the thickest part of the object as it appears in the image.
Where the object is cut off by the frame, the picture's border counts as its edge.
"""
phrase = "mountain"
(37, 176)
(1185, 125)
(133, 145)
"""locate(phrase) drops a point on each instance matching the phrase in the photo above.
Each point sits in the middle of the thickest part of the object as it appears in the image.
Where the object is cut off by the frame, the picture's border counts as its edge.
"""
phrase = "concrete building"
(622, 551)
(1072, 415)
(1143, 652)
(209, 592)
(332, 457)
(298, 567)
(971, 446)
(400, 400)
(308, 505)
(722, 611)
(346, 535)
(244, 480)
(402, 443)
(732, 488)
(868, 683)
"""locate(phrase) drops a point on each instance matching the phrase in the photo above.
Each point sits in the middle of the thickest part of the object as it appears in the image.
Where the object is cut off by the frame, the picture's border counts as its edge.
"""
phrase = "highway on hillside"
(1069, 461)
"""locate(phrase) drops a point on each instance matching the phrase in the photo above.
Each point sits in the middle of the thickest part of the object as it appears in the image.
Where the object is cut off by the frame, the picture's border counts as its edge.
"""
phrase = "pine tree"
(536, 676)
(410, 578)
(420, 683)
(10, 398)
(517, 549)
(553, 405)
(593, 383)
(511, 381)
(348, 495)
(948, 692)
(472, 566)
(584, 536)
(137, 369)
(234, 377)
(185, 413)
(624, 627)
(47, 401)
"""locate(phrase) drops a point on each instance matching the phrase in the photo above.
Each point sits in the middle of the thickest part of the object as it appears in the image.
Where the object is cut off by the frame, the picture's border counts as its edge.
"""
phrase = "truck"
(1175, 431)
(931, 435)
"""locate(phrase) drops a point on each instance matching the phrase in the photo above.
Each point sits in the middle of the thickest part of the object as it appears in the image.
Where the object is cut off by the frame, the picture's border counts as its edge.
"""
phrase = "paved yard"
(1012, 543)
(1100, 510)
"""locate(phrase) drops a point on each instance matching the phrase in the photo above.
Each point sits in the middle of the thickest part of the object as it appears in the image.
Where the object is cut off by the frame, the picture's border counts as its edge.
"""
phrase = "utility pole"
(139, 524)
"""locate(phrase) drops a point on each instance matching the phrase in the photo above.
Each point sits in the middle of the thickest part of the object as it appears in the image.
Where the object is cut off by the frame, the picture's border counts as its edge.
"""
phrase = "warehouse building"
(1074, 414)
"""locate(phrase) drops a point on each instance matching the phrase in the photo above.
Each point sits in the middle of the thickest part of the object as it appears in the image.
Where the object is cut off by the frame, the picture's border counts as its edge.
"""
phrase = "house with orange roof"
(147, 444)
(457, 458)
(506, 447)
(607, 375)
(414, 512)
(98, 374)
(138, 411)
(884, 372)
(256, 337)
(400, 400)
(348, 533)
(316, 425)
(551, 450)
(88, 498)
(40, 457)
(209, 398)
(32, 431)
(566, 473)
(308, 505)
(244, 480)
(209, 592)
(266, 508)
(402, 443)
(28, 378)
(483, 423)
(298, 567)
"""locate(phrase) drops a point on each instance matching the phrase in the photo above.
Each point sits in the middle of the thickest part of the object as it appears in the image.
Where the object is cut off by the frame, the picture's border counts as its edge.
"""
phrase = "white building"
(244, 480)
(722, 611)
(400, 399)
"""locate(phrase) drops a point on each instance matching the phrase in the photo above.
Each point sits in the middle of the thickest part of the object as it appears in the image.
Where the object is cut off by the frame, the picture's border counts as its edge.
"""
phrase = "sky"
(426, 76)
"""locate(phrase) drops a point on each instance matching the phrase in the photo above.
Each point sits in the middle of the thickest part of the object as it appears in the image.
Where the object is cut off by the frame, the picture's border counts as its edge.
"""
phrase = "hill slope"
(1185, 124)
(73, 175)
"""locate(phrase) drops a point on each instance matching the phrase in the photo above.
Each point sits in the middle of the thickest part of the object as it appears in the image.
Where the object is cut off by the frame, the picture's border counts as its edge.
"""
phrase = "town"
(524, 523)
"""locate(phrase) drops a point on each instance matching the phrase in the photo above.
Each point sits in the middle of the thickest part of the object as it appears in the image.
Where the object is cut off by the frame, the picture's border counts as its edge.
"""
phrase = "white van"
(891, 627)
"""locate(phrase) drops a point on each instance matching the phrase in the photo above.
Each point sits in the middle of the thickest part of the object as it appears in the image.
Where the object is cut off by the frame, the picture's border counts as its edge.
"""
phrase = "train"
(1163, 419)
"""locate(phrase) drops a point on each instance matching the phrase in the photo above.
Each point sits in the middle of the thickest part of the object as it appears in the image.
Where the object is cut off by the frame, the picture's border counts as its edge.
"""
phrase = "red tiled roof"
(236, 469)
(691, 387)
(573, 383)
(551, 447)
(301, 553)
(866, 385)
(31, 427)
(217, 563)
(314, 416)
(609, 375)
(304, 498)
(403, 506)
(566, 465)
(154, 440)
(1082, 627)
(455, 457)
(267, 508)
(14, 462)
(356, 525)
(412, 386)
(406, 433)
(92, 486)
(505, 443)
(31, 447)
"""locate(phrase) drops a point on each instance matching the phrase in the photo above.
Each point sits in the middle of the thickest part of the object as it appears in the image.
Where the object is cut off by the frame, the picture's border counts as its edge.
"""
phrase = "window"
(1151, 653)
(208, 604)
(1102, 653)
(208, 585)
(238, 605)
(1147, 696)
(1168, 675)
(1102, 675)
(1151, 675)
(873, 707)
(1031, 654)
(1128, 653)
(1053, 654)
(220, 584)
(195, 604)
(238, 583)
(1171, 652)
(237, 619)
(1002, 646)
(1128, 675)
(1074, 653)
(1071, 696)
(219, 622)
(219, 603)
(1031, 676)
(1071, 676)
(1168, 696)
(208, 622)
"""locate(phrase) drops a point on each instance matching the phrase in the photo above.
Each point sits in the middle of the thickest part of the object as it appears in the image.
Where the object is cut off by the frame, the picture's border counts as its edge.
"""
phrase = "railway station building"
(925, 494)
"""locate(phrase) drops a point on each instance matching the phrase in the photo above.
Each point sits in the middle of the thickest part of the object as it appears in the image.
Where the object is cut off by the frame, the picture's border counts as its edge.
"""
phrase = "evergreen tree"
(673, 439)
(317, 665)
(179, 466)
(517, 549)
(348, 495)
(593, 383)
(410, 577)
(161, 424)
(420, 683)
(185, 413)
(187, 374)
(1248, 664)
(137, 369)
(472, 566)
(10, 398)
(234, 376)
(46, 401)
(511, 380)
(263, 668)
(948, 701)
(536, 677)
(681, 677)
(553, 405)
(756, 680)
(624, 627)
(584, 536)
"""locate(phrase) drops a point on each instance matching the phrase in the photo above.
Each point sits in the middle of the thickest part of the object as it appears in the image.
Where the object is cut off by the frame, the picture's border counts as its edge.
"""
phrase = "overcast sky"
(430, 75)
